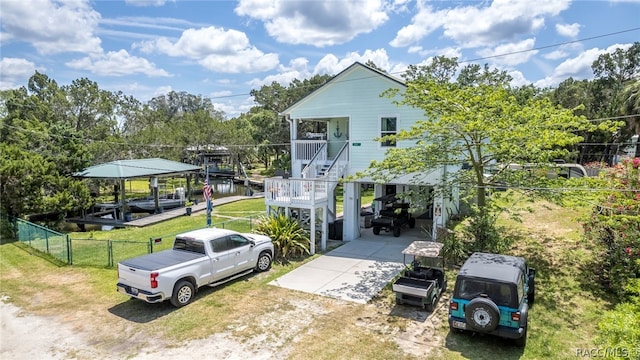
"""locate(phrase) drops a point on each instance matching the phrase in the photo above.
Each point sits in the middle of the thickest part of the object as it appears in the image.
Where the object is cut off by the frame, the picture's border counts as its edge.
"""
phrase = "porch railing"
(293, 192)
(307, 149)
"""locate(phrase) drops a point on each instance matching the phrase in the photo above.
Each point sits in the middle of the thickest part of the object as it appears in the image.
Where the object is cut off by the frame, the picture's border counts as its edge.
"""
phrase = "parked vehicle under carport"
(393, 216)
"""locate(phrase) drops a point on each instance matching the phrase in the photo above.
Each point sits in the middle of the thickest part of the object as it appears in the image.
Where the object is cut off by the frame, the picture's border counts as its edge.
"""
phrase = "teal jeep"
(492, 295)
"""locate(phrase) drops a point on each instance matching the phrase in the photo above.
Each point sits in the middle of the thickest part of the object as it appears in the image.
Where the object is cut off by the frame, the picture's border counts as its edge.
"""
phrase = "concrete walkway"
(174, 213)
(355, 271)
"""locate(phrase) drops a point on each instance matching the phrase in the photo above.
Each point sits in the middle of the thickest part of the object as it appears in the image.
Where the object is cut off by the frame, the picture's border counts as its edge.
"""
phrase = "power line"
(477, 59)
(553, 45)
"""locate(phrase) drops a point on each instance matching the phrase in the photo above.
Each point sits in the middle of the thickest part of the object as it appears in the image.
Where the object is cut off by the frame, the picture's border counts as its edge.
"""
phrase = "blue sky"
(224, 49)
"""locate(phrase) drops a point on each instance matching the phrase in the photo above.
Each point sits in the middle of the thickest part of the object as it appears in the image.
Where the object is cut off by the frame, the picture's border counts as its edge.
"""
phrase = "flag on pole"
(206, 190)
(206, 193)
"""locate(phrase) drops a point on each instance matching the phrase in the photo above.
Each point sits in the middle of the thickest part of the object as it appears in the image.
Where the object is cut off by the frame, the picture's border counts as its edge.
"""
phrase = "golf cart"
(392, 216)
(423, 281)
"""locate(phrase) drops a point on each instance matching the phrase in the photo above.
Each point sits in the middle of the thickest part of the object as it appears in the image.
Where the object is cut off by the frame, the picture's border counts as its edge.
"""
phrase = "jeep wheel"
(482, 315)
(376, 230)
(264, 262)
(531, 296)
(396, 231)
(183, 293)
(522, 342)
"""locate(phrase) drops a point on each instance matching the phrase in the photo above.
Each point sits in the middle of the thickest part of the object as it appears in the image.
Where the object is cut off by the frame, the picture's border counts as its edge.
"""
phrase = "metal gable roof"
(129, 169)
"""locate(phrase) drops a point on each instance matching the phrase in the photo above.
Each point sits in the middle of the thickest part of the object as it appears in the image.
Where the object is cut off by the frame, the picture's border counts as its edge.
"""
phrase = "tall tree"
(612, 71)
(274, 99)
(40, 151)
(477, 121)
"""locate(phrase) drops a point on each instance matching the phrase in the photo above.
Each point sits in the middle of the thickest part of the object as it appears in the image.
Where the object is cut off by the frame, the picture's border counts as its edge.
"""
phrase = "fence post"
(46, 241)
(68, 249)
(109, 253)
(150, 246)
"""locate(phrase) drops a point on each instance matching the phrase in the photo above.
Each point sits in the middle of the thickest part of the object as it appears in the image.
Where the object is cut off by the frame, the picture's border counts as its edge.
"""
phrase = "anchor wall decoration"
(337, 133)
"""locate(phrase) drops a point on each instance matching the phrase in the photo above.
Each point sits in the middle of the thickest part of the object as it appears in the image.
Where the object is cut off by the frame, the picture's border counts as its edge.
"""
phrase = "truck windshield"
(191, 245)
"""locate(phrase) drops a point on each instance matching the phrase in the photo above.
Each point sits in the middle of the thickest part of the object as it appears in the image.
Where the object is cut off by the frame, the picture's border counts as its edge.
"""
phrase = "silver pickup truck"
(208, 256)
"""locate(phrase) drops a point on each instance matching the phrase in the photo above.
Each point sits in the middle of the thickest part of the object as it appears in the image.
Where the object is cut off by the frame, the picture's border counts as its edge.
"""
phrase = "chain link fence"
(100, 252)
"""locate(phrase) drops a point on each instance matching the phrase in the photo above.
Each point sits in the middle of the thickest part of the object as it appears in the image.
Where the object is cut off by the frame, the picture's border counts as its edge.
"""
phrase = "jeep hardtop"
(492, 295)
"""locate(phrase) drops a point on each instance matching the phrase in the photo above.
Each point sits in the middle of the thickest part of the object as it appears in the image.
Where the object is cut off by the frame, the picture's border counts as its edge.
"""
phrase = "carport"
(355, 271)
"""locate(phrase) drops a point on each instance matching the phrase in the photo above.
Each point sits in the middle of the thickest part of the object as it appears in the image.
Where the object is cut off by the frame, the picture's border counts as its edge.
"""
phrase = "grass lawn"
(297, 325)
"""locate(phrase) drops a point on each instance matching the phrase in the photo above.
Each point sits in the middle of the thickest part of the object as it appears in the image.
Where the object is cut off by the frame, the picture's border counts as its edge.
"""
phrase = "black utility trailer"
(423, 282)
(392, 216)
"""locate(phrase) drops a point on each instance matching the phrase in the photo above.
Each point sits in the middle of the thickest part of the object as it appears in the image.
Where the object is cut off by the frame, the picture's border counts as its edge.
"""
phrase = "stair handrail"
(313, 163)
(339, 163)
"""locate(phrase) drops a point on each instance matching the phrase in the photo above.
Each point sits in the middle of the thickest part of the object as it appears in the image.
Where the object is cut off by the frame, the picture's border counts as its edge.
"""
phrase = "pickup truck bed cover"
(162, 259)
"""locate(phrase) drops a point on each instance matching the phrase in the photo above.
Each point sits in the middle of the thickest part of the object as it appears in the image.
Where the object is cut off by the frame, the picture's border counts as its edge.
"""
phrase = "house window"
(388, 126)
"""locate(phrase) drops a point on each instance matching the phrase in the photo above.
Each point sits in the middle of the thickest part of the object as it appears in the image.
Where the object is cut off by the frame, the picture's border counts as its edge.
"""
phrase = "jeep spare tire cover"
(482, 315)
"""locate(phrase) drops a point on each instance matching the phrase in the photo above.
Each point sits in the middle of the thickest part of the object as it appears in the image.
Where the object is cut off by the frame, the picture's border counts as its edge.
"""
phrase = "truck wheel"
(412, 222)
(482, 315)
(396, 231)
(183, 293)
(376, 230)
(264, 262)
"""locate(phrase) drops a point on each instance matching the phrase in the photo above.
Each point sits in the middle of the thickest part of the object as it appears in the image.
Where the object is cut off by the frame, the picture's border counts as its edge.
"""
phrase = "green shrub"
(289, 239)
(614, 227)
(620, 327)
(454, 248)
(483, 233)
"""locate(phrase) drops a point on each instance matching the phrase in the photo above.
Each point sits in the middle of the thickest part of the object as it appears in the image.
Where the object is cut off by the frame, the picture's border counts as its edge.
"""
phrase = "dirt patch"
(272, 335)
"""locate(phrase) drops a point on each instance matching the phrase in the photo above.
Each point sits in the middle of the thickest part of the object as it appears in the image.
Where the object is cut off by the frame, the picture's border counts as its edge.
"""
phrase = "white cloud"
(316, 23)
(422, 24)
(217, 49)
(117, 63)
(519, 50)
(297, 69)
(578, 67)
(556, 55)
(331, 65)
(568, 30)
(144, 3)
(233, 108)
(52, 27)
(518, 78)
(14, 71)
(449, 52)
(475, 26)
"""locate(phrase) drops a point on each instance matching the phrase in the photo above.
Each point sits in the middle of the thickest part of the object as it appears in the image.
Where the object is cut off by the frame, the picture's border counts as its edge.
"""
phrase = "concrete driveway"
(357, 270)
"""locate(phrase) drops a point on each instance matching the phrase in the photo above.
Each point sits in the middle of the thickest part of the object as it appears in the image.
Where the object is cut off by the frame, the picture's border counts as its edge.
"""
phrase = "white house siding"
(355, 94)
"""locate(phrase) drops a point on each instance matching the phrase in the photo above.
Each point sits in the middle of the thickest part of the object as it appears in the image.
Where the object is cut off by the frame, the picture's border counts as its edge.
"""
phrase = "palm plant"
(289, 238)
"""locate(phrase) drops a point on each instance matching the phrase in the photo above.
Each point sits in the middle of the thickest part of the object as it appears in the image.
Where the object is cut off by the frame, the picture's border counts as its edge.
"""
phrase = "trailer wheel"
(376, 230)
(183, 293)
(412, 222)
